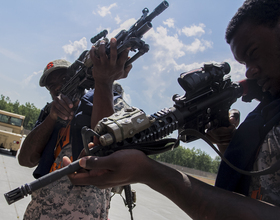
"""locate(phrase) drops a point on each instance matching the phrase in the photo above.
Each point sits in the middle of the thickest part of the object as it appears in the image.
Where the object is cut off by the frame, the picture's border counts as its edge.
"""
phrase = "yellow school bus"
(11, 131)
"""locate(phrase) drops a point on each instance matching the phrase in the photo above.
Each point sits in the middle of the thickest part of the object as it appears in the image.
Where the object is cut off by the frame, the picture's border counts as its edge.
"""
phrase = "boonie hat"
(54, 65)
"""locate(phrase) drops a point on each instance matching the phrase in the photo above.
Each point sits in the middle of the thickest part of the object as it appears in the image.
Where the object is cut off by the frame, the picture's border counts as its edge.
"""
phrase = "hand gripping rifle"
(209, 95)
(80, 78)
(79, 73)
(208, 98)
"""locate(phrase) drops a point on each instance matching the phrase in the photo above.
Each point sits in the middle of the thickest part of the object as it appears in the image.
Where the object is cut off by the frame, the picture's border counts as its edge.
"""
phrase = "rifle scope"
(199, 79)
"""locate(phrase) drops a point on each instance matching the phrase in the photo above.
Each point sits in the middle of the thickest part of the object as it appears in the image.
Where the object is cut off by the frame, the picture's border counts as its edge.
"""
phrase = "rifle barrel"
(20, 192)
(159, 9)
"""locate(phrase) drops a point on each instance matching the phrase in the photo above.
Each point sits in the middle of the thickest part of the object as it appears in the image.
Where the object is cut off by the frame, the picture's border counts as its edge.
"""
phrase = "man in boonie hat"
(50, 140)
(54, 76)
(57, 66)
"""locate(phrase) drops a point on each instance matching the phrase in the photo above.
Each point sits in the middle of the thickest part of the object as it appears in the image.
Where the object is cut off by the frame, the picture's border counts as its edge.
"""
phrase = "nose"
(252, 71)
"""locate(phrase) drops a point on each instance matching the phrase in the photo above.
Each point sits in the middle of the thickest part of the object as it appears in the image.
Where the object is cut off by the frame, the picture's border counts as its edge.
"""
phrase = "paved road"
(149, 204)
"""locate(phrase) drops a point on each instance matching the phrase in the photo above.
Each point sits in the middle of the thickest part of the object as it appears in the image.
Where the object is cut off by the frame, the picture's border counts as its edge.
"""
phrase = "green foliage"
(29, 110)
(192, 158)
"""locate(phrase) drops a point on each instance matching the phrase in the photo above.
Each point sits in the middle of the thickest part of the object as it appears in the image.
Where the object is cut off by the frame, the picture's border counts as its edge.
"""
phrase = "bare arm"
(105, 72)
(199, 200)
(35, 142)
(203, 201)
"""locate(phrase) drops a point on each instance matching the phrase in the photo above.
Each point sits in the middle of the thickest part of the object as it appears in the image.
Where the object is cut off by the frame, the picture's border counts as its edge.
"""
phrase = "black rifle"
(206, 103)
(79, 76)
(79, 73)
(209, 95)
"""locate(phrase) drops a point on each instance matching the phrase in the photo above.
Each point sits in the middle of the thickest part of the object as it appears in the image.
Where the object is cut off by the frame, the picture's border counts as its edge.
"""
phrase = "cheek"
(271, 66)
(273, 70)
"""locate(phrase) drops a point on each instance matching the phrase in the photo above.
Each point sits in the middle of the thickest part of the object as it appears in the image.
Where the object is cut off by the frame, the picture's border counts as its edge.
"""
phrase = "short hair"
(257, 12)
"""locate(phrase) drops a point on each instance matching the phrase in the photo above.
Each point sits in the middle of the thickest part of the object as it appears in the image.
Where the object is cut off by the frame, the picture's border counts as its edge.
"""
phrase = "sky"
(186, 35)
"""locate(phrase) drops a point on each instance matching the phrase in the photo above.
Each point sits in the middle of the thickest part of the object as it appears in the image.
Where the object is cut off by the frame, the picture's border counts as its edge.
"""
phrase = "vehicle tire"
(14, 152)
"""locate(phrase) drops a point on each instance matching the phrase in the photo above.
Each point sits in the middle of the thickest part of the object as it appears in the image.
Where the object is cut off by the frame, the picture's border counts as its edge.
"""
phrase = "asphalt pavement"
(149, 204)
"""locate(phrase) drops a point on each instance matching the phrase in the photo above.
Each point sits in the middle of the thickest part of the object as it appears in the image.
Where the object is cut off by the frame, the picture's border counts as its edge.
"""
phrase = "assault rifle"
(209, 95)
(79, 73)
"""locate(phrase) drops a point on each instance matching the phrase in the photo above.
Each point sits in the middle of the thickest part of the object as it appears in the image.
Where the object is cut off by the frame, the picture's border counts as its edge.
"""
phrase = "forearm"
(103, 105)
(105, 71)
(199, 200)
(35, 142)
(202, 201)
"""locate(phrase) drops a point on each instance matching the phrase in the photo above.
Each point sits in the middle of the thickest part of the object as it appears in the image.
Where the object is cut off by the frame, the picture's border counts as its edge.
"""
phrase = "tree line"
(192, 158)
(29, 110)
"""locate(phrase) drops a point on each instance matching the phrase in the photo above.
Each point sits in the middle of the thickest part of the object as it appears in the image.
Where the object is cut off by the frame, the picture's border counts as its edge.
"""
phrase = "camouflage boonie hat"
(54, 65)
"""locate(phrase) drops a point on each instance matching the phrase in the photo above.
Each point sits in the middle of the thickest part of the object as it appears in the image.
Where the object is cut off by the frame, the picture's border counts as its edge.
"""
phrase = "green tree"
(29, 110)
(191, 158)
(203, 161)
(6, 104)
(16, 106)
(2, 102)
(215, 164)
